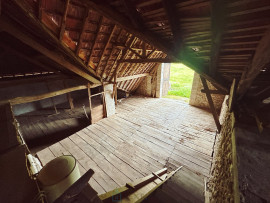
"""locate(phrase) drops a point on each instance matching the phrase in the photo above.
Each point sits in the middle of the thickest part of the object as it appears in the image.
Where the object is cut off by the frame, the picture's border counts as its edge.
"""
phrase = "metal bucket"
(58, 175)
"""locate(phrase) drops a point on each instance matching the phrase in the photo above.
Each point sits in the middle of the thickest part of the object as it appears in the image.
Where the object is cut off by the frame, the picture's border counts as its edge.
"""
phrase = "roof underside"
(218, 39)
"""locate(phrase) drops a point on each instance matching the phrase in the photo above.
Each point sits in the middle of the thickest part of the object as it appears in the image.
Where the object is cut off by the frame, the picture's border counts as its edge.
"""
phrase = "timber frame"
(106, 40)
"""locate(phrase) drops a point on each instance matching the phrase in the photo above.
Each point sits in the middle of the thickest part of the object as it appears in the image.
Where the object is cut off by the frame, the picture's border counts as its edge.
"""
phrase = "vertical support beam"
(9, 133)
(232, 95)
(104, 102)
(90, 102)
(69, 98)
(54, 106)
(64, 18)
(211, 103)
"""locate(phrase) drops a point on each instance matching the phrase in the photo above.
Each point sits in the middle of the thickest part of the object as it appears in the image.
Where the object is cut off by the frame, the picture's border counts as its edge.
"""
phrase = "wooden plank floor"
(144, 136)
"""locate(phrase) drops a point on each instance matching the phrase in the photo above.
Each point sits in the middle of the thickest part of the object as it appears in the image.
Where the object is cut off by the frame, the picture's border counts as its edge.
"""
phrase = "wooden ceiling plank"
(63, 23)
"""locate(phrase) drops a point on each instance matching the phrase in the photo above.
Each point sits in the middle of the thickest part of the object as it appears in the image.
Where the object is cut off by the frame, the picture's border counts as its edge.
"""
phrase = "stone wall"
(198, 99)
(156, 85)
(222, 179)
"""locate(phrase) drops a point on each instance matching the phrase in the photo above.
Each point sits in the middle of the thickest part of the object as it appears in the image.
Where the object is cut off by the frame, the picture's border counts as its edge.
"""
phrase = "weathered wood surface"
(144, 136)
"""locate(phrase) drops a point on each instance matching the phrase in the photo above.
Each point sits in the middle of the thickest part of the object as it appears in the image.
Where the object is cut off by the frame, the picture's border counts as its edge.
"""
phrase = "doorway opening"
(181, 78)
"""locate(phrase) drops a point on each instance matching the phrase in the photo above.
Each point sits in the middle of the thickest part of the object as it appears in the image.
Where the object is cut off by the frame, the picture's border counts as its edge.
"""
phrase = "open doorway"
(180, 82)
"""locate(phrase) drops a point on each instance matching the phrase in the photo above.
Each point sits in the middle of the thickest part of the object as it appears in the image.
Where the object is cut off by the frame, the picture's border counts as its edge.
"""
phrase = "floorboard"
(144, 136)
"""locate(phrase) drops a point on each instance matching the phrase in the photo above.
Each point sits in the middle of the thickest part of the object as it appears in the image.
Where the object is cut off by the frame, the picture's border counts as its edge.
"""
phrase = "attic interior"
(82, 113)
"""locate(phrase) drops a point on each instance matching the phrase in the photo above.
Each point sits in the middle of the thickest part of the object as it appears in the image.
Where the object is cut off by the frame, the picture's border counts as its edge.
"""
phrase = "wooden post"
(90, 103)
(211, 104)
(69, 98)
(54, 106)
(104, 102)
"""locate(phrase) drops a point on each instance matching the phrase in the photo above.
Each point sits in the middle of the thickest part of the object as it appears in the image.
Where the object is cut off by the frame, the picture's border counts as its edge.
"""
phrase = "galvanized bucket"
(58, 175)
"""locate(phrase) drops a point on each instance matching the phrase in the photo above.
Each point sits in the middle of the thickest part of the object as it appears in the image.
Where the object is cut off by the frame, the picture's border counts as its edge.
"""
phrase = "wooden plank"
(23, 100)
(82, 153)
(211, 104)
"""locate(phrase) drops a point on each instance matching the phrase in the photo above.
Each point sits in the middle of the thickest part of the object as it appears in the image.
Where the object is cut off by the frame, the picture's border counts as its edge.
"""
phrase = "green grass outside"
(181, 78)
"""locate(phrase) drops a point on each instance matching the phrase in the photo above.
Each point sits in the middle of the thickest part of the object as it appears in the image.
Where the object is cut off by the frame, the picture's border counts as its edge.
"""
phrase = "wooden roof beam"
(133, 14)
(187, 56)
(28, 99)
(172, 13)
(218, 27)
(260, 60)
(149, 60)
(51, 54)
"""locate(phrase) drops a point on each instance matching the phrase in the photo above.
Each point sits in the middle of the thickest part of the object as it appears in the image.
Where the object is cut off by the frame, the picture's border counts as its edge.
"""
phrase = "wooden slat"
(23, 100)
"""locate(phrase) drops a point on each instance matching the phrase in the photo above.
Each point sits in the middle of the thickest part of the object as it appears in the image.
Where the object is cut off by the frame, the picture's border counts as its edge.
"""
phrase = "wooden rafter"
(124, 52)
(95, 38)
(114, 66)
(260, 60)
(149, 60)
(85, 21)
(64, 18)
(172, 14)
(133, 14)
(105, 48)
(51, 54)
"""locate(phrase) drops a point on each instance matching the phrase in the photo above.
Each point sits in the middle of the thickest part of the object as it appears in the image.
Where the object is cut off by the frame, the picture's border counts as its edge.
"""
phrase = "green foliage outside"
(181, 78)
